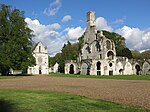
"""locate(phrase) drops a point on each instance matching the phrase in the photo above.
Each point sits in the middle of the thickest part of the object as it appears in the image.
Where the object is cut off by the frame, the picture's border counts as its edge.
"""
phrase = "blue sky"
(129, 18)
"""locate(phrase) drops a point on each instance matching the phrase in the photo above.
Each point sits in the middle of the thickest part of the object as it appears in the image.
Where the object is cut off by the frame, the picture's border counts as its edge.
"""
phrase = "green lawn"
(123, 77)
(35, 101)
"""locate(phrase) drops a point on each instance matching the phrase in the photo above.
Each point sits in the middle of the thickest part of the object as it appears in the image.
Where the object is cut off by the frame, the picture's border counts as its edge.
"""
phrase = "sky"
(55, 22)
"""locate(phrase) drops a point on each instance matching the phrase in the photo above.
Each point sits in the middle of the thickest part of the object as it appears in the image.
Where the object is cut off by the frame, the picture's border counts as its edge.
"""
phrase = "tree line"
(145, 55)
(15, 41)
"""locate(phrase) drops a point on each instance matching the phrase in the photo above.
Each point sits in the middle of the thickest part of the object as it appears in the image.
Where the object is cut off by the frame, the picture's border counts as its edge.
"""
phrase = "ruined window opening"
(88, 49)
(98, 46)
(100, 56)
(110, 55)
(110, 64)
(108, 44)
(39, 48)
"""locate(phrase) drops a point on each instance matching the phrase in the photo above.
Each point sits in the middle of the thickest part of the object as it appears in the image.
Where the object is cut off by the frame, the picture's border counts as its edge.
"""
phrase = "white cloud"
(53, 8)
(135, 38)
(119, 21)
(47, 34)
(66, 18)
(74, 33)
(50, 37)
(101, 24)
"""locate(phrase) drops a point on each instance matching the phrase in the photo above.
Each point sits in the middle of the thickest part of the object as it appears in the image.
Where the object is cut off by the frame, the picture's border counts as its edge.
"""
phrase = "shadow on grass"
(6, 106)
(18, 75)
(22, 75)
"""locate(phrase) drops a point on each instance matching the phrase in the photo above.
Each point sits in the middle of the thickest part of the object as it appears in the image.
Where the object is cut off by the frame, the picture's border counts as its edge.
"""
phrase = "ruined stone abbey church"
(98, 55)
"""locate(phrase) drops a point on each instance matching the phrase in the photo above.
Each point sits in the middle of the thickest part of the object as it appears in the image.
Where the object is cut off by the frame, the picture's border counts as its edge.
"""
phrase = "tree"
(145, 54)
(15, 40)
(121, 49)
(136, 54)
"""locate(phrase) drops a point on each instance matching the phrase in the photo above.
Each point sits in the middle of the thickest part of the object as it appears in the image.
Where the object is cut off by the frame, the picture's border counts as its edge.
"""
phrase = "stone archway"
(85, 69)
(71, 71)
(98, 65)
(137, 67)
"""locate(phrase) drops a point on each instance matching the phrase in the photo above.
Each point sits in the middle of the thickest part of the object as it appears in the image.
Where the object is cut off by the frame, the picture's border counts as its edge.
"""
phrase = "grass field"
(35, 101)
(123, 77)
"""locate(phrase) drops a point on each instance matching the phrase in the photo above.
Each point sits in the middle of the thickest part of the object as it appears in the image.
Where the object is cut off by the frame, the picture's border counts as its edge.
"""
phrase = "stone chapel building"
(98, 55)
(40, 53)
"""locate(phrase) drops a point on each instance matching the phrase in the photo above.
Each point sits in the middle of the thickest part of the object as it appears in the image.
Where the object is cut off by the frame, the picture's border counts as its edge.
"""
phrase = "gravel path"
(130, 92)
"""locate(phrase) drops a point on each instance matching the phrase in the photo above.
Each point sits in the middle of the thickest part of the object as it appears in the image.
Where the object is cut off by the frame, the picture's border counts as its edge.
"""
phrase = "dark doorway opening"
(121, 71)
(98, 68)
(88, 71)
(40, 70)
(71, 69)
(98, 72)
(60, 69)
(137, 67)
(110, 73)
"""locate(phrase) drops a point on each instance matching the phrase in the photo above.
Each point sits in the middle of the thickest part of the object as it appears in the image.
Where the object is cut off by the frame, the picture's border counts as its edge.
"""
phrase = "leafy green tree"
(15, 40)
(145, 54)
(121, 49)
(136, 54)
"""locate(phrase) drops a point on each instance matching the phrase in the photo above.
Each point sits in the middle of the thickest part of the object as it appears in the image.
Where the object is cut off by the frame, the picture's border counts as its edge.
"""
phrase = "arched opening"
(110, 71)
(137, 67)
(110, 55)
(110, 64)
(108, 44)
(85, 69)
(120, 71)
(71, 69)
(98, 68)
(61, 69)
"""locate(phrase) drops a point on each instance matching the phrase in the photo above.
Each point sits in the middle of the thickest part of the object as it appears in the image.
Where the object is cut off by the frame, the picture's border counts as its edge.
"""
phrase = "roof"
(37, 45)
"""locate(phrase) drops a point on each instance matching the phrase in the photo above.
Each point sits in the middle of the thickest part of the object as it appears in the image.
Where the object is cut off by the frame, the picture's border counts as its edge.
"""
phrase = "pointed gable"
(40, 48)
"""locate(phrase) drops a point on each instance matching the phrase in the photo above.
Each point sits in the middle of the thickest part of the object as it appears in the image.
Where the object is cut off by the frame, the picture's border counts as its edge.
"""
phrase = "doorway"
(137, 67)
(40, 70)
(71, 69)
(98, 68)
(111, 73)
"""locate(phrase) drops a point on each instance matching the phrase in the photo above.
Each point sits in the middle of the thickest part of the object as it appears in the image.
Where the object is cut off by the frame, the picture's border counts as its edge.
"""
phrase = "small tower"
(91, 19)
(90, 27)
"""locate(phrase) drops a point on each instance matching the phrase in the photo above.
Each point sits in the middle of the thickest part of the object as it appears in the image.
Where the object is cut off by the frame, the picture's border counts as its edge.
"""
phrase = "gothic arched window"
(108, 44)
(110, 55)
